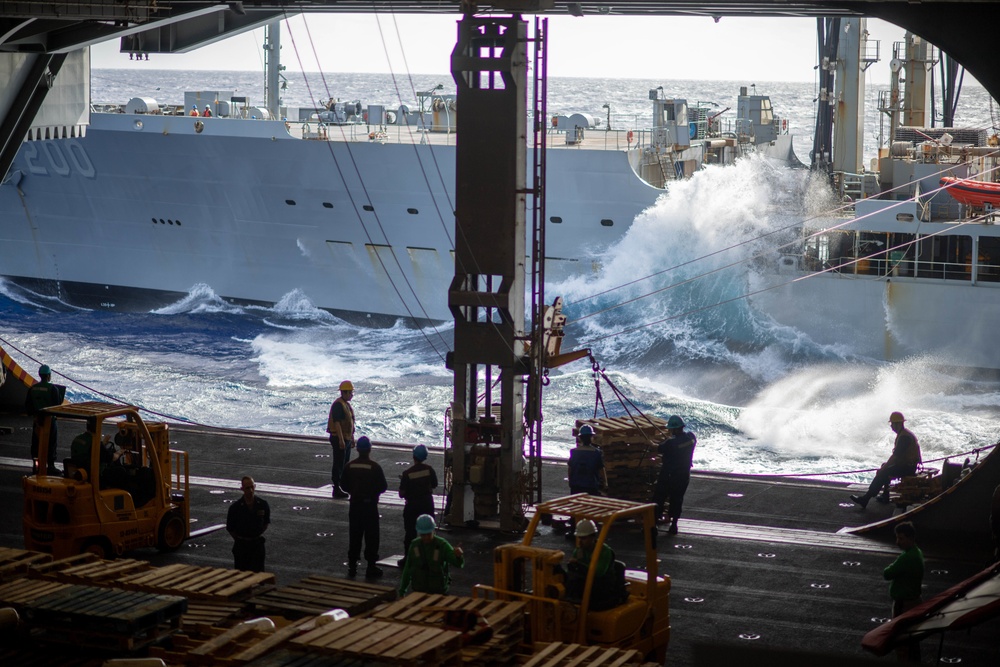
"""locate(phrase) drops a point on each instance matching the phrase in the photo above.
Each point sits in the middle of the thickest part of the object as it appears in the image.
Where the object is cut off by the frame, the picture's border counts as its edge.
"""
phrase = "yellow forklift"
(120, 490)
(638, 618)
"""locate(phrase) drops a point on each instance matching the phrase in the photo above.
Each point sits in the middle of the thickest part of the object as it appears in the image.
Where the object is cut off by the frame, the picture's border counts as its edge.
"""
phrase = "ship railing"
(986, 269)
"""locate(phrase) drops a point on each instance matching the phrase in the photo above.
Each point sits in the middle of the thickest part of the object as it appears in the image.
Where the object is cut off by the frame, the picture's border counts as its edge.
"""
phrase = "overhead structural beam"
(24, 106)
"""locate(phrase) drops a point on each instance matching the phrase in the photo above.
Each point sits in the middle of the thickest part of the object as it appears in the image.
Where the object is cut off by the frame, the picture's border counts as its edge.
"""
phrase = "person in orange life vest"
(340, 426)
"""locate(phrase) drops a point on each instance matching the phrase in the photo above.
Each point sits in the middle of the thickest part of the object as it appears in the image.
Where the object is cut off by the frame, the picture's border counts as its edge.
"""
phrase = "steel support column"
(486, 296)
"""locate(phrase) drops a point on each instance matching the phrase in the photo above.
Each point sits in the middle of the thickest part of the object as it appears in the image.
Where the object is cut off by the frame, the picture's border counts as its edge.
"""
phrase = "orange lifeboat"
(973, 193)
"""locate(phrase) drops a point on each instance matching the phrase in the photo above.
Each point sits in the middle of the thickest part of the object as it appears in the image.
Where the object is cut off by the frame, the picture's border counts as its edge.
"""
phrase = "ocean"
(762, 398)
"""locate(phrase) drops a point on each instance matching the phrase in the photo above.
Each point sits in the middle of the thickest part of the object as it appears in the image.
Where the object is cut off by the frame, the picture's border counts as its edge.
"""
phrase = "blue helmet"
(425, 524)
(419, 453)
(363, 444)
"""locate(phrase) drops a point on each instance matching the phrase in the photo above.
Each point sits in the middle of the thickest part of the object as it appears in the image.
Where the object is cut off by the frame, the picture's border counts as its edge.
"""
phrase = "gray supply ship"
(349, 206)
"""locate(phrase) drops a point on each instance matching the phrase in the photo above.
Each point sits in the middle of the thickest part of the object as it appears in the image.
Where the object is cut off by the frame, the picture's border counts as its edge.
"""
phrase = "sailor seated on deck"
(609, 580)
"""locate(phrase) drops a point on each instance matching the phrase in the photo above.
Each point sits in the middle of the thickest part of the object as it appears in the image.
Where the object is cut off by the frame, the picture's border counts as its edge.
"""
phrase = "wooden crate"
(505, 618)
(317, 594)
(15, 563)
(558, 654)
(374, 640)
(199, 583)
(630, 453)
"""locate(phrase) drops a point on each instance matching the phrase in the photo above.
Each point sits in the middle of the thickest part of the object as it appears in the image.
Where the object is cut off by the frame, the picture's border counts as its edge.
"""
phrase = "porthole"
(327, 204)
(412, 211)
(290, 202)
(170, 222)
(555, 219)
(368, 207)
(162, 221)
(177, 222)
(199, 126)
(607, 223)
(154, 221)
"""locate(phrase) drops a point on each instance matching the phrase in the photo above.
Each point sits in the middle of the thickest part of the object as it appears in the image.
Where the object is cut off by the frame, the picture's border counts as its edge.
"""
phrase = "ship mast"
(272, 68)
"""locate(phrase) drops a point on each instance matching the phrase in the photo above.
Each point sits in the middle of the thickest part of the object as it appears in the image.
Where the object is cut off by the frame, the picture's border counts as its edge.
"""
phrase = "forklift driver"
(608, 589)
(80, 451)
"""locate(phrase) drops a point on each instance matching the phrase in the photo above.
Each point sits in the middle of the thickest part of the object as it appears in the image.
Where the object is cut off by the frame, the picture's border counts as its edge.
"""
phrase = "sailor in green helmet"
(427, 560)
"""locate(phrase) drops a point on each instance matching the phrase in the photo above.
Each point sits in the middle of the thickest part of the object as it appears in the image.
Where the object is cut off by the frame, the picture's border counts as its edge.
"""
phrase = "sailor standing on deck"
(365, 481)
(675, 474)
(586, 465)
(416, 488)
(903, 462)
(246, 521)
(194, 110)
(43, 394)
(340, 426)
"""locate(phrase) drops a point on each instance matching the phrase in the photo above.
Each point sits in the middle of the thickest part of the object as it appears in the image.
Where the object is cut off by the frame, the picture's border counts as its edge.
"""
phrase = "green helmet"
(675, 422)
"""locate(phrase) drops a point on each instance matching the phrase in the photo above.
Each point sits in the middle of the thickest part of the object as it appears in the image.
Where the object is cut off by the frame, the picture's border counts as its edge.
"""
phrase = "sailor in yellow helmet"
(903, 462)
(340, 426)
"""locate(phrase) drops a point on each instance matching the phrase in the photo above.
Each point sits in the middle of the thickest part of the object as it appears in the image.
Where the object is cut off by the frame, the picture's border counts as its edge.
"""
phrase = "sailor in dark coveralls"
(903, 462)
(675, 474)
(416, 488)
(586, 465)
(365, 481)
(41, 395)
(247, 520)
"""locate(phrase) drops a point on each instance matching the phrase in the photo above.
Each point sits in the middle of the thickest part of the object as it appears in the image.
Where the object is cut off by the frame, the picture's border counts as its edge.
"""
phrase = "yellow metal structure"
(535, 576)
(140, 500)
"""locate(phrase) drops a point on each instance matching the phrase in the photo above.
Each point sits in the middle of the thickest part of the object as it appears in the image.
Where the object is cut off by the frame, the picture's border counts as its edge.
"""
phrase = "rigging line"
(433, 153)
(797, 223)
(378, 219)
(444, 226)
(354, 203)
(430, 146)
(747, 295)
(106, 395)
(762, 253)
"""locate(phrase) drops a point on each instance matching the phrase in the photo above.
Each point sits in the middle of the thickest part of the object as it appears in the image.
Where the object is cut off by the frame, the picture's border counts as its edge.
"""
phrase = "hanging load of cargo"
(630, 457)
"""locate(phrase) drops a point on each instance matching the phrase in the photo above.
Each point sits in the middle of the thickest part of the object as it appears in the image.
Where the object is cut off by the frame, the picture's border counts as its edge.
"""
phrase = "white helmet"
(585, 528)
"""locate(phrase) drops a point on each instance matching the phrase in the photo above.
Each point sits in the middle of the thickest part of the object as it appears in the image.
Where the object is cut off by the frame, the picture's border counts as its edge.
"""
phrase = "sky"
(658, 47)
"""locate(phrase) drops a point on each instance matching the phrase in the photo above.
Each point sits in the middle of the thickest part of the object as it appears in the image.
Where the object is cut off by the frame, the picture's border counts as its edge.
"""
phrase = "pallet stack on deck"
(506, 619)
(374, 641)
(630, 456)
(558, 654)
(317, 594)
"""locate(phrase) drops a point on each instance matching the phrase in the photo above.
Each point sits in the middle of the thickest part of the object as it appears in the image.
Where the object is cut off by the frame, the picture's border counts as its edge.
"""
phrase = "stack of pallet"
(376, 642)
(558, 654)
(630, 456)
(317, 594)
(505, 619)
(93, 616)
(14, 563)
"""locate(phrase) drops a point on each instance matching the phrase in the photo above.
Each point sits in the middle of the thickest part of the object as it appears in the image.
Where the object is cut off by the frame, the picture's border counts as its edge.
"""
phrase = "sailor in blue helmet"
(416, 488)
(427, 560)
(365, 481)
(43, 394)
(677, 451)
(194, 110)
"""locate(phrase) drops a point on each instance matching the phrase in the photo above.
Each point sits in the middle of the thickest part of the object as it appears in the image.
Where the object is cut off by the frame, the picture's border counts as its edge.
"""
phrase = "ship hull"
(143, 209)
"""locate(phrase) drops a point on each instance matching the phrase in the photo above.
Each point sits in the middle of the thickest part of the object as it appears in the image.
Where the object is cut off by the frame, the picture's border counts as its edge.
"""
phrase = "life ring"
(629, 136)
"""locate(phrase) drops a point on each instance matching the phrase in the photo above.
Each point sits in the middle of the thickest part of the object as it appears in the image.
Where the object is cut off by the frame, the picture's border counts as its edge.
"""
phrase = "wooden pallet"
(199, 583)
(505, 618)
(22, 592)
(104, 618)
(15, 563)
(558, 654)
(288, 658)
(374, 640)
(630, 455)
(89, 569)
(317, 594)
(237, 645)
(202, 614)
